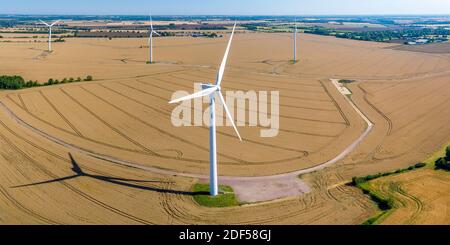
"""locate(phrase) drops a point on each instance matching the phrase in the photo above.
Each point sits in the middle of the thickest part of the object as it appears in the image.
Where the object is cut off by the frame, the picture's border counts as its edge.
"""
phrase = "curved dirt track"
(248, 189)
(230, 163)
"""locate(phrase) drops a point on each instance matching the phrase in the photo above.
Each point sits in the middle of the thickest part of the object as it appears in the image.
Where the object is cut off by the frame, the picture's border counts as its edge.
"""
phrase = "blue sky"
(226, 7)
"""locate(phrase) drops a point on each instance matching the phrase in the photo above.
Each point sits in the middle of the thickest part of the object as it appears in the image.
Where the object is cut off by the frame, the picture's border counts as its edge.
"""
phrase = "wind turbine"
(295, 41)
(150, 39)
(49, 33)
(212, 90)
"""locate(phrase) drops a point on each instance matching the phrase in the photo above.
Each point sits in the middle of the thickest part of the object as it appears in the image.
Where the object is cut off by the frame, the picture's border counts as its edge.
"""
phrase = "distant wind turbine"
(295, 41)
(49, 33)
(213, 90)
(150, 39)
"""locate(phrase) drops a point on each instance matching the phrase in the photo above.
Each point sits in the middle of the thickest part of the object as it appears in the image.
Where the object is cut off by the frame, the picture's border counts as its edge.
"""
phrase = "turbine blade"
(156, 33)
(149, 38)
(202, 93)
(229, 115)
(44, 23)
(224, 60)
(54, 23)
(151, 21)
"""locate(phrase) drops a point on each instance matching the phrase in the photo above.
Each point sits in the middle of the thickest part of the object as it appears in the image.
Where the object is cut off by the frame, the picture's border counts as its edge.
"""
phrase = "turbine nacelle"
(208, 86)
(49, 25)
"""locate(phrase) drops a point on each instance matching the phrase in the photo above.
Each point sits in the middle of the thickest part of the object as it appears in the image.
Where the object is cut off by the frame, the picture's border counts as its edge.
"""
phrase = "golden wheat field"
(84, 140)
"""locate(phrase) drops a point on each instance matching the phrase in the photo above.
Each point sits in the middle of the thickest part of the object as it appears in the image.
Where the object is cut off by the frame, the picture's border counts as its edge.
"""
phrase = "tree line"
(384, 35)
(444, 162)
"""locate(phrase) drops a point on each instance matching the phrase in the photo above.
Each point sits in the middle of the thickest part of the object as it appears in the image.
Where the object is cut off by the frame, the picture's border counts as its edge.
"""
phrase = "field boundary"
(375, 196)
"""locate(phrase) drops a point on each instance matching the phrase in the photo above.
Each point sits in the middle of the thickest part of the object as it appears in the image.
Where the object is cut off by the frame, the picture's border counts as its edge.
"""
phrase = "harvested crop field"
(122, 119)
(433, 48)
(420, 197)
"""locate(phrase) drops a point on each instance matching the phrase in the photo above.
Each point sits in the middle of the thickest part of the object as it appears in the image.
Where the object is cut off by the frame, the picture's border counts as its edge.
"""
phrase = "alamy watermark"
(254, 109)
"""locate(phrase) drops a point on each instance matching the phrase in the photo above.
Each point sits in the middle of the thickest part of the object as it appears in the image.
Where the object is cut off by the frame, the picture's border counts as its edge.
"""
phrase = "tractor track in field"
(151, 152)
(58, 157)
(423, 115)
(411, 148)
(115, 160)
(422, 98)
(168, 113)
(191, 87)
(304, 153)
(22, 102)
(44, 149)
(245, 84)
(66, 160)
(173, 211)
(280, 177)
(378, 148)
(347, 122)
(70, 187)
(282, 105)
(281, 116)
(26, 210)
(61, 115)
(72, 133)
(417, 204)
(290, 117)
(242, 76)
(185, 216)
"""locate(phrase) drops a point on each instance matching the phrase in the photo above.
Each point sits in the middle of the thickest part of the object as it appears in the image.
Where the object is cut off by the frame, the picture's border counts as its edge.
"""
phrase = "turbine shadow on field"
(117, 181)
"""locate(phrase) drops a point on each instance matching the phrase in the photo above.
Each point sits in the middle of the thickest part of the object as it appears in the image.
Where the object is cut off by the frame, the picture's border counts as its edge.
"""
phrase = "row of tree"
(384, 35)
(17, 82)
(360, 180)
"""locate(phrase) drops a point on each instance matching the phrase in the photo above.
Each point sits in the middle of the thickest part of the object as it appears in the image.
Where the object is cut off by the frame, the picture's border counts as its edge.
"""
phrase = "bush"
(358, 180)
(89, 78)
(383, 203)
(447, 153)
(11, 82)
(420, 165)
(51, 82)
(442, 163)
(31, 84)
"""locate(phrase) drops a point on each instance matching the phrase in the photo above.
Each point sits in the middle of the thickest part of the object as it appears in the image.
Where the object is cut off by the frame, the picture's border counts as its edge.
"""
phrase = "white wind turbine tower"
(49, 33)
(150, 39)
(213, 90)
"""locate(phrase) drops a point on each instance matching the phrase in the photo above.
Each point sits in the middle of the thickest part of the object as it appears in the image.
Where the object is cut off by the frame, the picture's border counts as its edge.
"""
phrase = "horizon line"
(244, 15)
